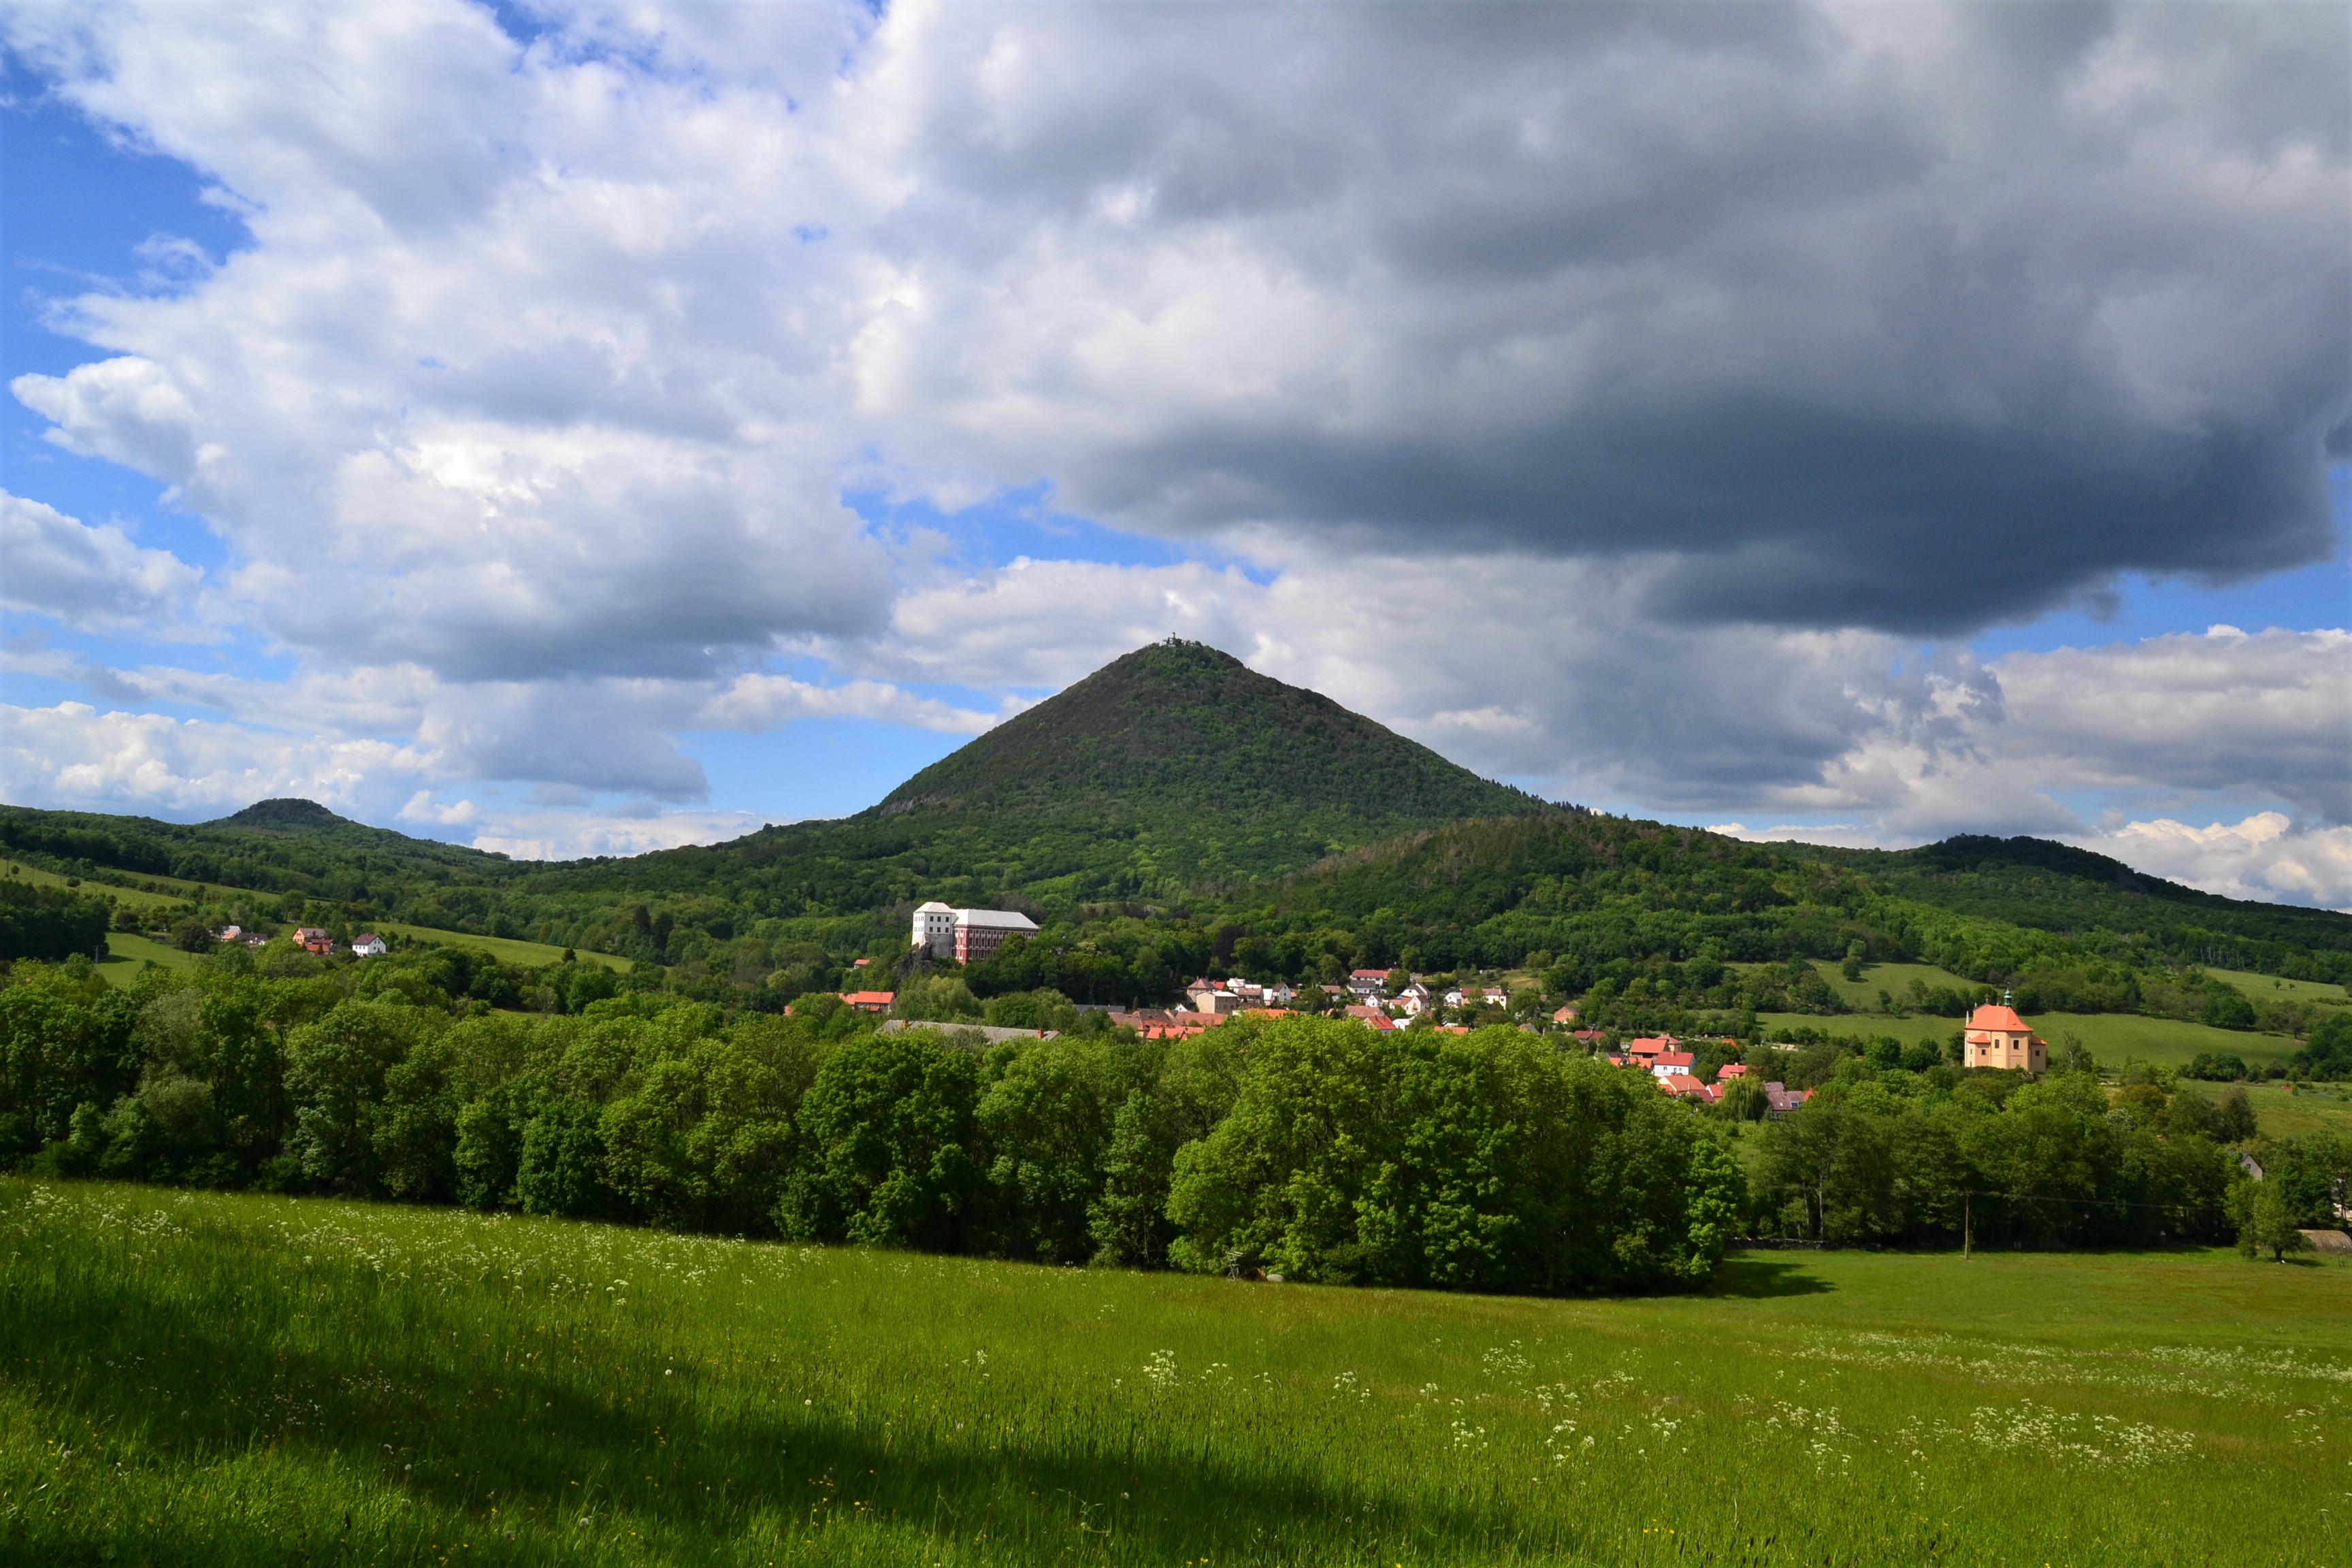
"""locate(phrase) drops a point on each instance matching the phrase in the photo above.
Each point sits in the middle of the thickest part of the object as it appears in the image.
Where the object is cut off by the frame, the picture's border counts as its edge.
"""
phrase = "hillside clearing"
(214, 1379)
(2113, 1037)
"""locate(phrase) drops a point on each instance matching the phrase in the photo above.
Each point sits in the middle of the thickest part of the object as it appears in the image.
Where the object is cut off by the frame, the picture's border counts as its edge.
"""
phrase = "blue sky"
(877, 489)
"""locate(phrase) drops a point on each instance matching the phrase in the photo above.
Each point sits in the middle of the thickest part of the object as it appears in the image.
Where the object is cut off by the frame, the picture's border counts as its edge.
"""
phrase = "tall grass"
(237, 1379)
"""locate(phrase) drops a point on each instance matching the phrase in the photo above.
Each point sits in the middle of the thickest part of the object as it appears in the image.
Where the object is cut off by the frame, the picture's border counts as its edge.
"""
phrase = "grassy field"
(206, 1379)
(506, 949)
(2113, 1037)
(2281, 1110)
(126, 954)
(2270, 987)
(135, 949)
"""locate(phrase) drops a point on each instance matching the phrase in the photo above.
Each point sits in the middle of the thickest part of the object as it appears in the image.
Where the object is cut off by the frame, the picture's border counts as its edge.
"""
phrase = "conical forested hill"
(1173, 769)
(1179, 726)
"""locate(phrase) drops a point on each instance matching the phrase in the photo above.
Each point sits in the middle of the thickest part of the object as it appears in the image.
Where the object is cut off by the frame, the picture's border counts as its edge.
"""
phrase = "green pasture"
(505, 949)
(2288, 1111)
(178, 891)
(2113, 1037)
(2270, 987)
(190, 1378)
(126, 954)
(1894, 979)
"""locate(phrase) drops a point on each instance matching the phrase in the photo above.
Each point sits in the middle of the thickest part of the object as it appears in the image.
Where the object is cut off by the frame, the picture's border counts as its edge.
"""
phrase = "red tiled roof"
(1992, 1015)
(1675, 1058)
(869, 998)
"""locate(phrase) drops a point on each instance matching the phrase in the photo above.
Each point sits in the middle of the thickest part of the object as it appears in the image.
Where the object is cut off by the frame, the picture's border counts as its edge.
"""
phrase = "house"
(1648, 1048)
(367, 944)
(1998, 1037)
(1671, 1064)
(967, 936)
(1567, 1015)
(1367, 982)
(1372, 1016)
(1414, 999)
(1495, 996)
(1682, 1086)
(1589, 1036)
(1277, 994)
(869, 1001)
(229, 933)
(1730, 1069)
(859, 962)
(1780, 1101)
(313, 938)
(1211, 999)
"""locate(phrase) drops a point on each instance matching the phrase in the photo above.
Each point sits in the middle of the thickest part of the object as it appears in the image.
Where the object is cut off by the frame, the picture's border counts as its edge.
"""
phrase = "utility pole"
(1967, 1222)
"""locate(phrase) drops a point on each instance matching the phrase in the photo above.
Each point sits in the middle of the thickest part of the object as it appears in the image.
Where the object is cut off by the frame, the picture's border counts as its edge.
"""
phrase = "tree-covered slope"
(1178, 732)
(1173, 769)
(2035, 883)
(273, 846)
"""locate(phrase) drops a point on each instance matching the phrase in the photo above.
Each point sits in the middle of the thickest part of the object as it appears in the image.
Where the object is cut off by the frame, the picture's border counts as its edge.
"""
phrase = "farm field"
(505, 949)
(128, 953)
(210, 1379)
(2113, 1037)
(2282, 1111)
(140, 897)
(1891, 978)
(2271, 987)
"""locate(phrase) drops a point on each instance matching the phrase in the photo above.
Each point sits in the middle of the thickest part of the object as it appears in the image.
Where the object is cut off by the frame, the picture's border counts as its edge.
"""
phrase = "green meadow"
(2113, 1037)
(192, 1378)
(129, 951)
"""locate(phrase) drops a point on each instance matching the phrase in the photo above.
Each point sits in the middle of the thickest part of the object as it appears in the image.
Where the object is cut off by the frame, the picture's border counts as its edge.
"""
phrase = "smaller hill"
(284, 816)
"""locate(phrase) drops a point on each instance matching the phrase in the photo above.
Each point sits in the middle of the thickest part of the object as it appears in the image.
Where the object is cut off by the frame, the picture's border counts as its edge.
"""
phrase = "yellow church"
(1998, 1037)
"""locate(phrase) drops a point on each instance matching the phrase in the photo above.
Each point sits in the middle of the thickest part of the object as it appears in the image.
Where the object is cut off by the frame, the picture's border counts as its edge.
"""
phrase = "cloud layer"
(1607, 394)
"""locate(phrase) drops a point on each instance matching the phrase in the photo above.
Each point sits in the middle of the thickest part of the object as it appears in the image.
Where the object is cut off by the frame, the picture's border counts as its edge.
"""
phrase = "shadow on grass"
(1752, 1278)
(402, 1404)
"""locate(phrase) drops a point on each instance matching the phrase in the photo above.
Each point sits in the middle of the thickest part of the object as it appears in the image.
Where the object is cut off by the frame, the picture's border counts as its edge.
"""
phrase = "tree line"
(1309, 1147)
(1306, 1147)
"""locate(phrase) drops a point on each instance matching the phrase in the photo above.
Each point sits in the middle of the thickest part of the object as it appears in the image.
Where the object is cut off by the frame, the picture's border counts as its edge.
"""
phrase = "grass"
(1894, 979)
(2113, 1037)
(2270, 987)
(505, 949)
(2283, 1110)
(128, 953)
(209, 1379)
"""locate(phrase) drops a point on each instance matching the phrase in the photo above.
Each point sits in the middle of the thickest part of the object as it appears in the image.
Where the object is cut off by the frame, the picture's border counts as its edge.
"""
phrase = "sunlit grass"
(217, 1379)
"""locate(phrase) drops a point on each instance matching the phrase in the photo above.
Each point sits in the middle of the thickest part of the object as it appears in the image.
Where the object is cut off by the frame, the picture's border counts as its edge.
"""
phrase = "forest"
(1313, 1148)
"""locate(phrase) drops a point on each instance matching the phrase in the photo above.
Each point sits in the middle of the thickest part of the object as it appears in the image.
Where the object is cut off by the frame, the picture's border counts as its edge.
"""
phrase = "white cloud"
(2264, 856)
(72, 755)
(126, 409)
(1539, 371)
(92, 579)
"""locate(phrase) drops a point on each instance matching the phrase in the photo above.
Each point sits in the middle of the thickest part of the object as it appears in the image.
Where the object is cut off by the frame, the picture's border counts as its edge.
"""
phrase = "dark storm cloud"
(1900, 317)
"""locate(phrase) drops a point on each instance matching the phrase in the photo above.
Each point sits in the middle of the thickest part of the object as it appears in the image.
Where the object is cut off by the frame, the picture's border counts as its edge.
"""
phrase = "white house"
(367, 944)
(967, 935)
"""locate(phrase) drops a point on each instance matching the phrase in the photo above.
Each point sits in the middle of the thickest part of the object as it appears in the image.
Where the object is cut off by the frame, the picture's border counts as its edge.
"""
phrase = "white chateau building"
(967, 935)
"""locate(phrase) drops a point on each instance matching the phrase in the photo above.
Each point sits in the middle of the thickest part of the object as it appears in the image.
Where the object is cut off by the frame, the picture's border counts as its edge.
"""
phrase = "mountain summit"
(1180, 725)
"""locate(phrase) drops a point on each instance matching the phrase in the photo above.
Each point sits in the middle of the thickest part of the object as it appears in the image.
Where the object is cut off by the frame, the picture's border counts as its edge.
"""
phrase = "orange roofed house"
(1998, 1037)
(869, 1001)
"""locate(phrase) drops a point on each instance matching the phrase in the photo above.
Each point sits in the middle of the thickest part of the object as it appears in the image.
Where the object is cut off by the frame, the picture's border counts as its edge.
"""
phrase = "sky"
(581, 429)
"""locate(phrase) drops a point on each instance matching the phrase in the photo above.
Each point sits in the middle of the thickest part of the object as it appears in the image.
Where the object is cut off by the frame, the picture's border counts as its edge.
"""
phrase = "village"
(1703, 1071)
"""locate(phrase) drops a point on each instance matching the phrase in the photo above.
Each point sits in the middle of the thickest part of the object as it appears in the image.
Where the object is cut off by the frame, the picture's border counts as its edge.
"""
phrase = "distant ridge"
(284, 815)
